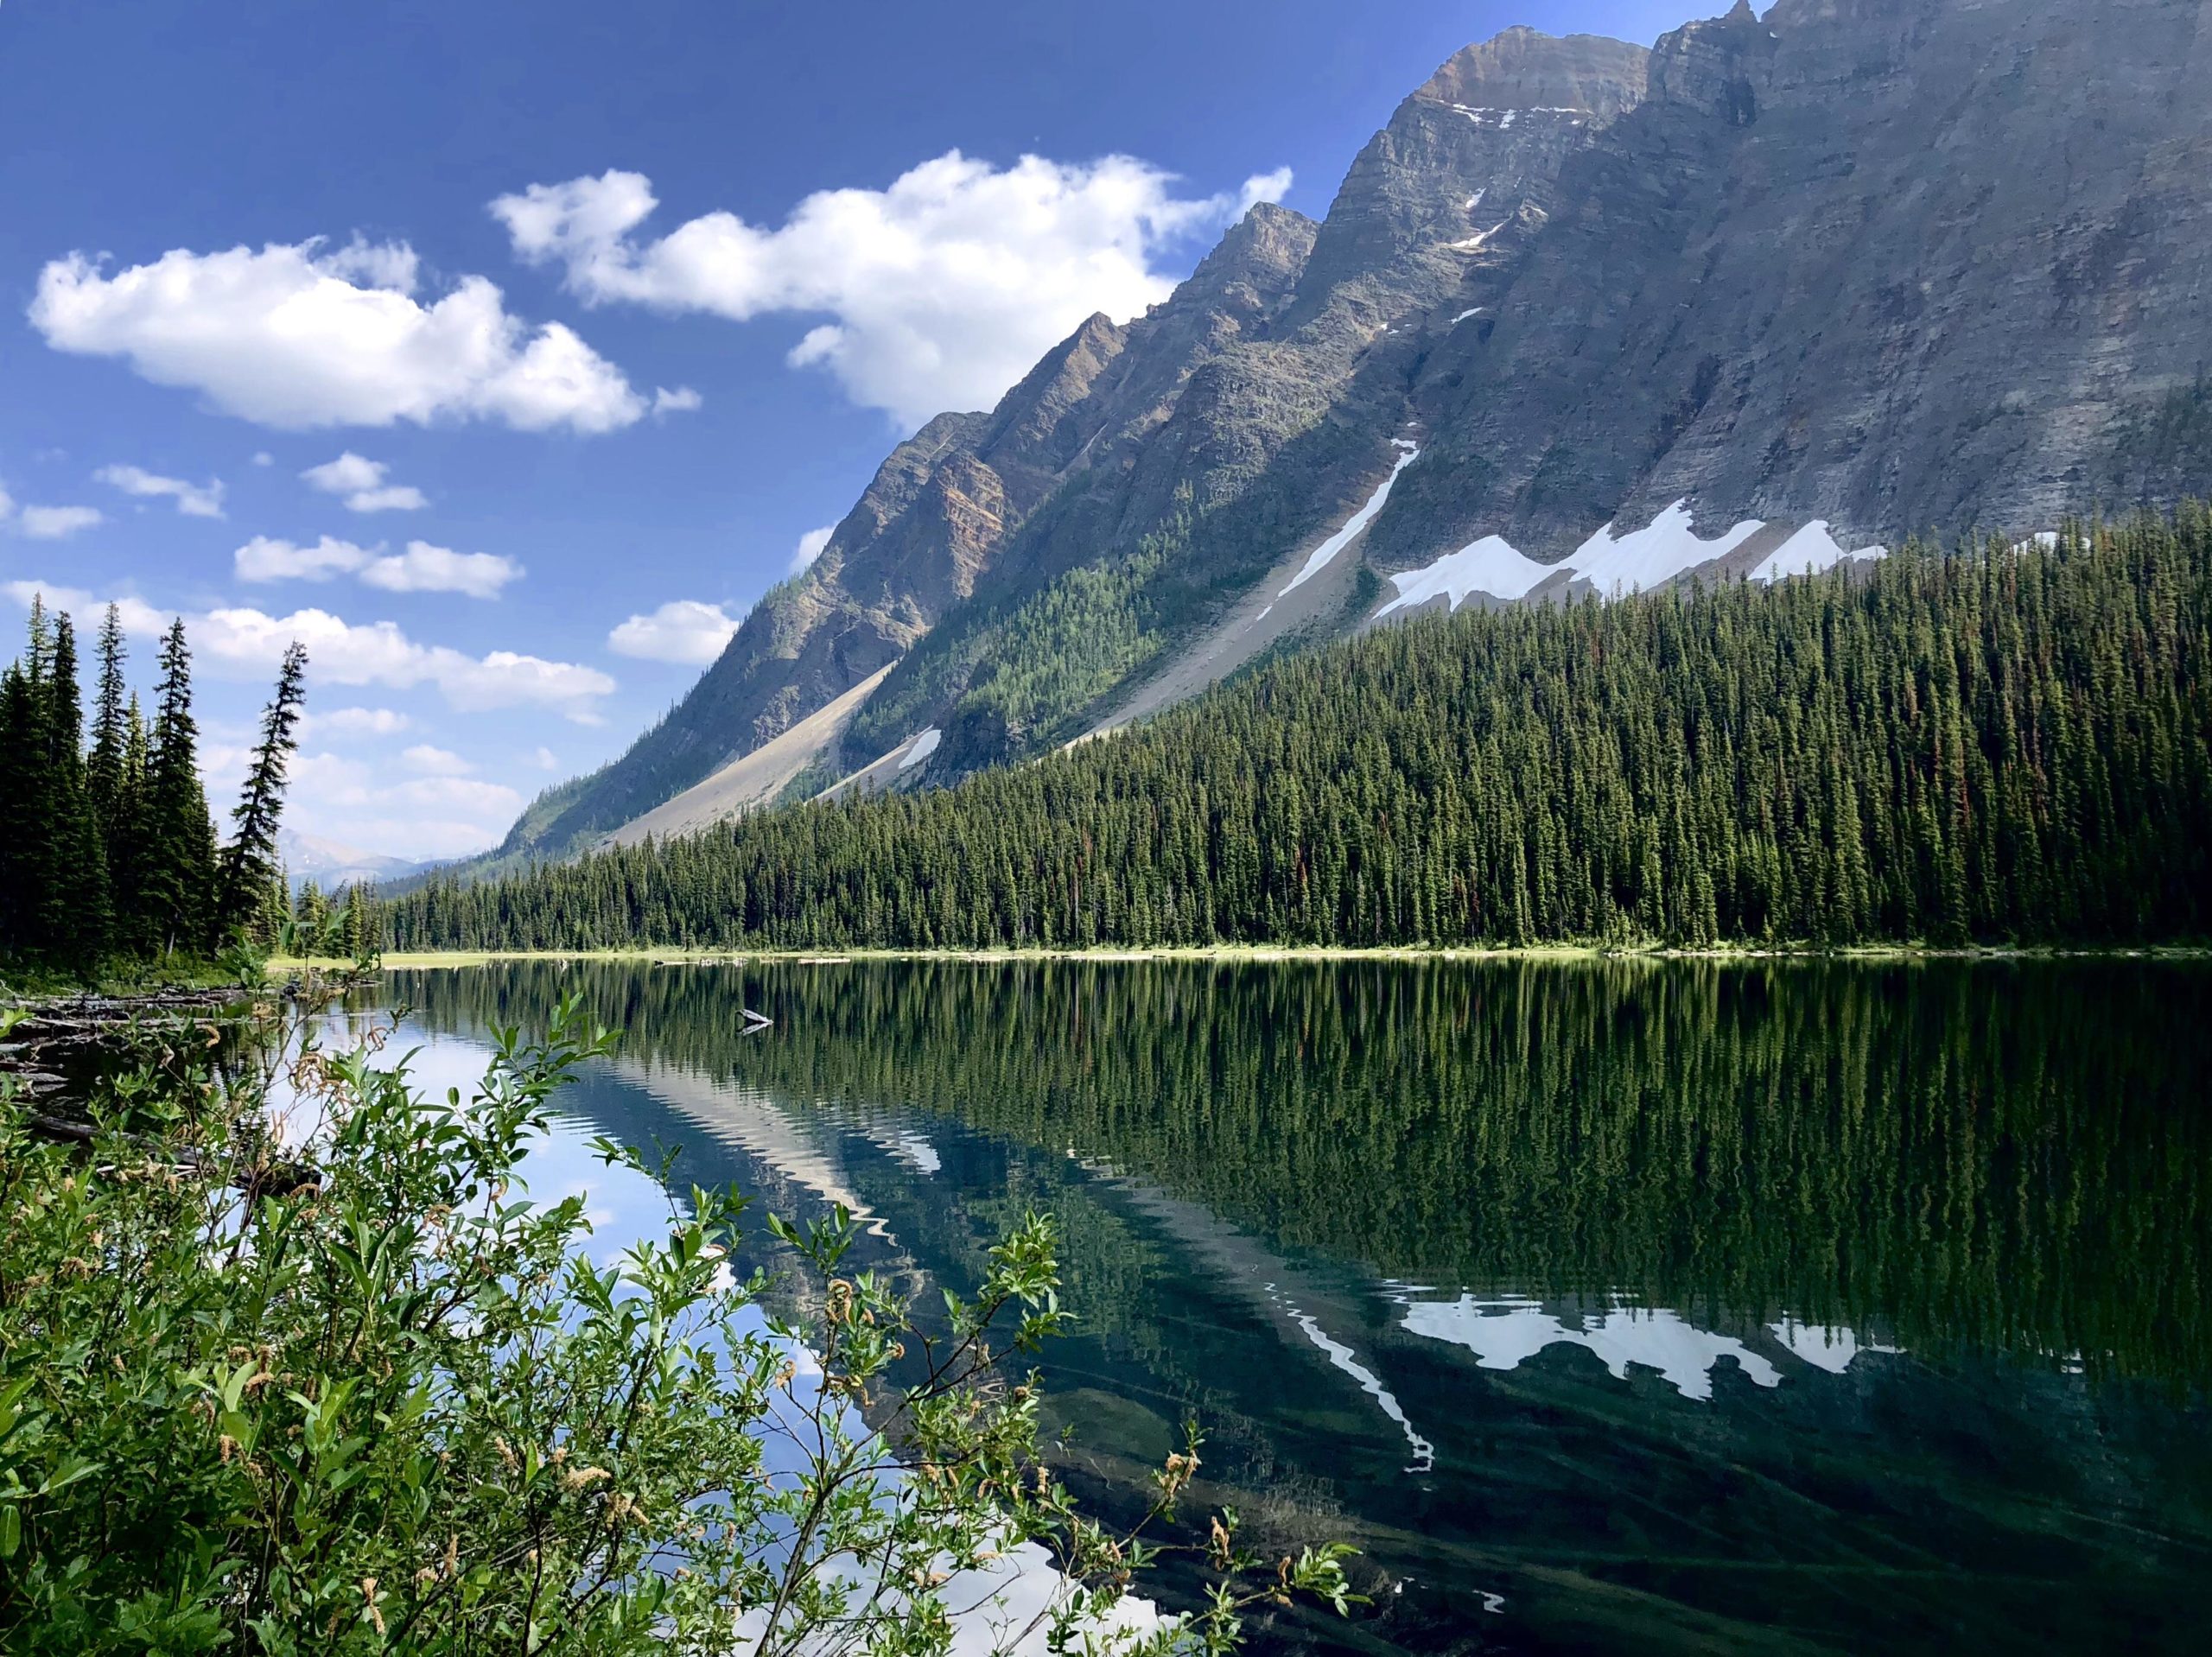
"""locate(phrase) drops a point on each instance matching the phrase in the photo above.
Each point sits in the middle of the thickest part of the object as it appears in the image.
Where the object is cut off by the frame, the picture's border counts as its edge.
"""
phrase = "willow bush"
(357, 1392)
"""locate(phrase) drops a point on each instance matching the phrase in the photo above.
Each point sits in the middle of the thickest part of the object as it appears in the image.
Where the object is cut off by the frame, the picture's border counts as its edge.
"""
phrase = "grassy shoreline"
(1242, 952)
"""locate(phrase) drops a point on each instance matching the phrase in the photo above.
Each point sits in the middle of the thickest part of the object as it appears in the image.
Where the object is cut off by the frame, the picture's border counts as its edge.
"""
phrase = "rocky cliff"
(1580, 316)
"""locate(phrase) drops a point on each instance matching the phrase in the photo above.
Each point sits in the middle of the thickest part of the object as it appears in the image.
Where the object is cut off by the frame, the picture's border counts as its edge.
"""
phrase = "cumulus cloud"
(361, 482)
(433, 761)
(684, 632)
(353, 722)
(305, 335)
(138, 617)
(682, 400)
(416, 817)
(265, 558)
(942, 289)
(56, 522)
(239, 642)
(194, 500)
(425, 569)
(810, 545)
(422, 568)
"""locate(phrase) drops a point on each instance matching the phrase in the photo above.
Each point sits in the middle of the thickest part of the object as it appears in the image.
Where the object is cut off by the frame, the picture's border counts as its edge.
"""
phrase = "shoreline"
(1238, 953)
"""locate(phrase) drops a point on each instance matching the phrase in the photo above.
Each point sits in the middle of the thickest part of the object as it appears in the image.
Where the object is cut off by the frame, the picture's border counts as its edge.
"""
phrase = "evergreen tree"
(75, 902)
(176, 876)
(111, 732)
(1996, 745)
(20, 789)
(250, 861)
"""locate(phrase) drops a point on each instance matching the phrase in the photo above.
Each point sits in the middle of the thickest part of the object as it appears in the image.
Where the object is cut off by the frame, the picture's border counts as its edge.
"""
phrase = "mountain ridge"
(1859, 268)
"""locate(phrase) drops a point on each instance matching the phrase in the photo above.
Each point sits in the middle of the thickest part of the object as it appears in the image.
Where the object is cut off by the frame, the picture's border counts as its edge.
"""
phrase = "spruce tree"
(104, 770)
(176, 878)
(19, 788)
(250, 861)
(76, 909)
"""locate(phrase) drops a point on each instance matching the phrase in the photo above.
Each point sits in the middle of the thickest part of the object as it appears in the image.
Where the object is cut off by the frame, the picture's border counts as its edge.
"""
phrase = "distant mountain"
(332, 864)
(1581, 317)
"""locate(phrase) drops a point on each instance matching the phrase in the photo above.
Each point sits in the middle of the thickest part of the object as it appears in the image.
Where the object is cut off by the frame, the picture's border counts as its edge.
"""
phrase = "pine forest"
(1997, 745)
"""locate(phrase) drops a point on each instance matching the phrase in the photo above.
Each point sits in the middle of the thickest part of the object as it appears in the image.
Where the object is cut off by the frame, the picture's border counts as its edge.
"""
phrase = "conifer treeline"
(110, 852)
(1994, 744)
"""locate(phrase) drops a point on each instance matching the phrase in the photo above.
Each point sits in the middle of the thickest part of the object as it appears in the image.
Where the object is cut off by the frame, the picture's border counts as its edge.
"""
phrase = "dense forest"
(107, 851)
(1998, 743)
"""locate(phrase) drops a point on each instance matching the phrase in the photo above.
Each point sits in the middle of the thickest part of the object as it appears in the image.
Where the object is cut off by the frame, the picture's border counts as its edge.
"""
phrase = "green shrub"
(381, 1400)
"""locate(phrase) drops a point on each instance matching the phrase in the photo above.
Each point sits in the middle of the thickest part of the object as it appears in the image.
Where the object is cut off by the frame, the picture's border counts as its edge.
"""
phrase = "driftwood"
(86, 1025)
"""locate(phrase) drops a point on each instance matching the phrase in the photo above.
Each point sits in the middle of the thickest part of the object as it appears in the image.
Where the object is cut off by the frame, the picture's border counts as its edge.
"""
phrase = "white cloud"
(682, 400)
(1263, 187)
(361, 482)
(422, 568)
(425, 569)
(138, 617)
(942, 289)
(7, 505)
(265, 558)
(546, 759)
(458, 794)
(684, 632)
(436, 762)
(304, 335)
(56, 522)
(810, 545)
(262, 457)
(194, 500)
(237, 642)
(355, 721)
(431, 816)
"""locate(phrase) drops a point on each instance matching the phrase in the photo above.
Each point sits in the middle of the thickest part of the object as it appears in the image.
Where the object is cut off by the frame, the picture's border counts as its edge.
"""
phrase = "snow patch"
(1506, 1333)
(1476, 200)
(1812, 549)
(920, 748)
(915, 1153)
(1464, 315)
(1358, 521)
(1489, 565)
(1824, 1347)
(1473, 243)
(1655, 553)
(1344, 1359)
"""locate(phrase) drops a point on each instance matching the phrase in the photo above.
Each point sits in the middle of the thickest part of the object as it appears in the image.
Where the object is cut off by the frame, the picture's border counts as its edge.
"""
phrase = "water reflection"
(1607, 1306)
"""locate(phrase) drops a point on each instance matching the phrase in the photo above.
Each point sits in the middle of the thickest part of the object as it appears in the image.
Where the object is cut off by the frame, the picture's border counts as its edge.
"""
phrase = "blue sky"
(513, 469)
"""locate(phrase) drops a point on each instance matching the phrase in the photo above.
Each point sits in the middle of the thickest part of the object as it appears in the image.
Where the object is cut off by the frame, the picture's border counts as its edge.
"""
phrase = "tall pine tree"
(75, 910)
(250, 861)
(176, 878)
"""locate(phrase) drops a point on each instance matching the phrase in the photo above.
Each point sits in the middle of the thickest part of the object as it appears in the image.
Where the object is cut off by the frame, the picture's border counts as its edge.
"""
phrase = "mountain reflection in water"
(1606, 1306)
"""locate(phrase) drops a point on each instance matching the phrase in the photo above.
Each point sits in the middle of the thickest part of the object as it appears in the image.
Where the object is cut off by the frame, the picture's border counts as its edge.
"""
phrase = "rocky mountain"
(332, 864)
(1581, 316)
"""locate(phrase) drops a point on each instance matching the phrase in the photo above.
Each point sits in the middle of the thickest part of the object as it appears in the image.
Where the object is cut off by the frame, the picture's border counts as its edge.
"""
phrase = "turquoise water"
(1605, 1307)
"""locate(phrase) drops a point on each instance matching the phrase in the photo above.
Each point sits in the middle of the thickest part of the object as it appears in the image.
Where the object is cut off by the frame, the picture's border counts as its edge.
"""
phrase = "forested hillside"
(1996, 744)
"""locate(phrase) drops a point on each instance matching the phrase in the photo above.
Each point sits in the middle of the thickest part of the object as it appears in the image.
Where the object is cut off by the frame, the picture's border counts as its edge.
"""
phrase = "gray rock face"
(1899, 264)
(931, 524)
(1902, 264)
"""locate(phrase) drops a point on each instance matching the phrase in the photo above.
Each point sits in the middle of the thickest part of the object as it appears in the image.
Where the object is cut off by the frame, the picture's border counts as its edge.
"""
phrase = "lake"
(1605, 1306)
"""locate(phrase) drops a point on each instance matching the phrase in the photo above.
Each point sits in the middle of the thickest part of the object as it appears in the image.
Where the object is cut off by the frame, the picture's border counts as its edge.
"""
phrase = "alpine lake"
(1604, 1305)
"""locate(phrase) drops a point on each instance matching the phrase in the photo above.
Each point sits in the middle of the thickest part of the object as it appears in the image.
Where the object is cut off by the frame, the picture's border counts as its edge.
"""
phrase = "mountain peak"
(1522, 69)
